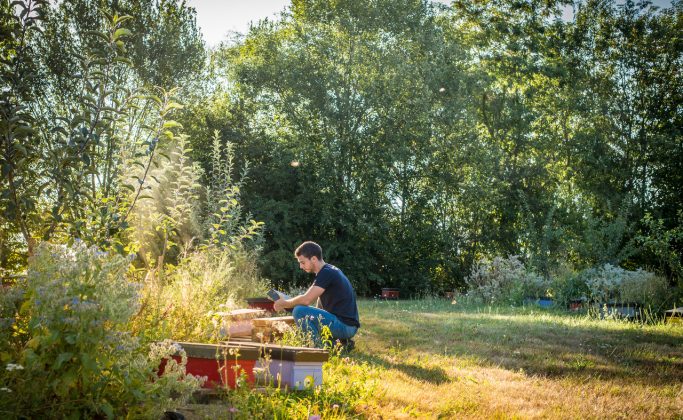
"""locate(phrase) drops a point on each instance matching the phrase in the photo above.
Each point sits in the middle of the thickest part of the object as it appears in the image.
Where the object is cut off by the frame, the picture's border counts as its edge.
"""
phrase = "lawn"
(433, 359)
(439, 359)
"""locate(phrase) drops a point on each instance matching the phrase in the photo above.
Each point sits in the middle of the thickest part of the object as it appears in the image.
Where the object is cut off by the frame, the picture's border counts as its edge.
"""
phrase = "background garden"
(499, 150)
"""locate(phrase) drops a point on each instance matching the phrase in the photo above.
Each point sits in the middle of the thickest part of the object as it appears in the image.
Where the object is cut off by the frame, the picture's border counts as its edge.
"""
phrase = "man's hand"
(306, 299)
(279, 305)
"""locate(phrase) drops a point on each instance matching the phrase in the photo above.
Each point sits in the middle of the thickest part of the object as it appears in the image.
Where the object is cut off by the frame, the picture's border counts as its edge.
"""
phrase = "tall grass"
(180, 302)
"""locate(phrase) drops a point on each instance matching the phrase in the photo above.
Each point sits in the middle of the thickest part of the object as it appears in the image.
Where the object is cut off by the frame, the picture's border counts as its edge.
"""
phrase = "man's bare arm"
(306, 299)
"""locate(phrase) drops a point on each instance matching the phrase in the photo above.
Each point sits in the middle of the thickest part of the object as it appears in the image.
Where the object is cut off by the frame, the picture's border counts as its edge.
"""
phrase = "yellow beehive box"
(674, 316)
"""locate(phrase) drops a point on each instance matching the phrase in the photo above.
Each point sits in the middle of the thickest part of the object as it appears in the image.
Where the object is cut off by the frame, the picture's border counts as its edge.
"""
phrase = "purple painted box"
(288, 366)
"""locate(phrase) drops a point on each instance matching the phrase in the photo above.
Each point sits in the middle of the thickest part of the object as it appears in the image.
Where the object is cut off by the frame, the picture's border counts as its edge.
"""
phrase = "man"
(337, 298)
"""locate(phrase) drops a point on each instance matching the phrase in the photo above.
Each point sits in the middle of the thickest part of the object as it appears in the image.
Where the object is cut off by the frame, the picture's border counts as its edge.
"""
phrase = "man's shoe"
(347, 344)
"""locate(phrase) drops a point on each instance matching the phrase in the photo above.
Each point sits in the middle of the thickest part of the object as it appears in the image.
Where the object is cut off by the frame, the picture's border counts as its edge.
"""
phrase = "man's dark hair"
(309, 249)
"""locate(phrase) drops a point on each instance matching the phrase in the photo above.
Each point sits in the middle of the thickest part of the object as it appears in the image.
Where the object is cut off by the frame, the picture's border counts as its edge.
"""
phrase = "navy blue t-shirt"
(338, 298)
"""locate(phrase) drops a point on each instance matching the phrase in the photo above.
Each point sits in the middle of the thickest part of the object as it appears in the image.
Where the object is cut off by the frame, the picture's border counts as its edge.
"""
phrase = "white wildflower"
(281, 326)
(13, 366)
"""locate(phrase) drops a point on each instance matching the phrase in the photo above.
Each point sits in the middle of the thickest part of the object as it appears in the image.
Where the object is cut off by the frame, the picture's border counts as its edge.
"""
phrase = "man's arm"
(306, 299)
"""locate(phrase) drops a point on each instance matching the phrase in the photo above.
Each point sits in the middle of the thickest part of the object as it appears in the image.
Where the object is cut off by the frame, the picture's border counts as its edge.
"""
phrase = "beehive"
(674, 316)
(266, 329)
(239, 322)
(288, 366)
(221, 364)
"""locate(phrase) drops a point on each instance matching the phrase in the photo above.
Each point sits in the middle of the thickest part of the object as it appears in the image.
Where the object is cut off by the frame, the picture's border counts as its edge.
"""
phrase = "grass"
(429, 358)
(444, 360)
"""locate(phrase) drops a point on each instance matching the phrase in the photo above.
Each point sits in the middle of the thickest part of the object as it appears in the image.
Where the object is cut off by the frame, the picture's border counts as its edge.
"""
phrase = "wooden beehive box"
(674, 316)
(288, 366)
(266, 329)
(221, 364)
(239, 322)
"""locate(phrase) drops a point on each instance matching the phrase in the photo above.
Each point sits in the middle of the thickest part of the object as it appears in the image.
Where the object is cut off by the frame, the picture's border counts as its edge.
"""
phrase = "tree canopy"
(410, 139)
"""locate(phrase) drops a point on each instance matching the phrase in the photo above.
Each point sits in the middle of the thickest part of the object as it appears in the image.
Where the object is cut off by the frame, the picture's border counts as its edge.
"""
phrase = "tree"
(75, 120)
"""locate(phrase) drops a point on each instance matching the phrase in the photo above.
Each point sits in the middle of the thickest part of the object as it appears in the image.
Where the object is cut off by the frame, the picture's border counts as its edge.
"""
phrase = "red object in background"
(207, 360)
(575, 305)
(390, 293)
(261, 303)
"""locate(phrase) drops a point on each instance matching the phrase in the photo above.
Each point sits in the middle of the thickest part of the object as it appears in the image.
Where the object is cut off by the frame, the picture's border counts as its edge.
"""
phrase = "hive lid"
(674, 312)
(219, 351)
(258, 300)
(272, 320)
(289, 353)
(240, 314)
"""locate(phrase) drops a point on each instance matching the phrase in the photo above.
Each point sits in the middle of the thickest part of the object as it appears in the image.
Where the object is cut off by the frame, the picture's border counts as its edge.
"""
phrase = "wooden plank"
(290, 353)
(241, 314)
(218, 351)
(289, 320)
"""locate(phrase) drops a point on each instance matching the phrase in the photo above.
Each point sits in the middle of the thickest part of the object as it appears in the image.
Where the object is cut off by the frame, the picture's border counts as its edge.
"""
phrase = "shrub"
(568, 286)
(11, 298)
(504, 279)
(78, 359)
(646, 289)
(167, 223)
(180, 303)
(609, 284)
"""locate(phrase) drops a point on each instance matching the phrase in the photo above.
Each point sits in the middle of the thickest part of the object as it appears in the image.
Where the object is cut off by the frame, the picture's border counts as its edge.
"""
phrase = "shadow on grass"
(545, 344)
(435, 376)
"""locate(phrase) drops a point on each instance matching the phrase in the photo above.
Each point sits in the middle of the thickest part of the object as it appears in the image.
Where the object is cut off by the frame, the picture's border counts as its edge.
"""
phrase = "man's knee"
(298, 312)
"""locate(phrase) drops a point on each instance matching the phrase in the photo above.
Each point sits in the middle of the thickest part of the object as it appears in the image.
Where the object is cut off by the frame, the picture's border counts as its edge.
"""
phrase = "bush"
(646, 289)
(567, 285)
(11, 298)
(611, 284)
(167, 224)
(504, 280)
(78, 360)
(180, 303)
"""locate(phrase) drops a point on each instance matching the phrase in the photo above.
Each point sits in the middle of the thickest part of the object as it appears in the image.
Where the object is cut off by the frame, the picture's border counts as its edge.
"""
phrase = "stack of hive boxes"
(287, 366)
(267, 329)
(239, 322)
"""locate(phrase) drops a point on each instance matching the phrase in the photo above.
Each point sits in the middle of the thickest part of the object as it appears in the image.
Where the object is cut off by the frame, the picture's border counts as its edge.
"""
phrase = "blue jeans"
(311, 320)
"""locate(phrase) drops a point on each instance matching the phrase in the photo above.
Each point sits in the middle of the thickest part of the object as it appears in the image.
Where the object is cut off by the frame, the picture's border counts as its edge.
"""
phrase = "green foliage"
(349, 384)
(78, 359)
(567, 286)
(80, 130)
(12, 335)
(409, 141)
(414, 142)
(504, 280)
(610, 284)
(223, 222)
(180, 302)
(648, 290)
(665, 245)
(166, 225)
(167, 49)
(19, 151)
(605, 240)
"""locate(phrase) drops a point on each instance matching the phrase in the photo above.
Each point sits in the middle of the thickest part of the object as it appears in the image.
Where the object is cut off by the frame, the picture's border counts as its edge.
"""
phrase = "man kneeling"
(338, 311)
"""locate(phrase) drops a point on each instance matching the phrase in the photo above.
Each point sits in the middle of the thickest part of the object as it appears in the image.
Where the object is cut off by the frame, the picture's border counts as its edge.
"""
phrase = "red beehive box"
(390, 293)
(261, 303)
(220, 363)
